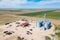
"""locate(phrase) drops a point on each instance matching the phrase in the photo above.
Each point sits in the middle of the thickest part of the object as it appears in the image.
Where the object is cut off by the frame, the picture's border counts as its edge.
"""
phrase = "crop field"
(50, 14)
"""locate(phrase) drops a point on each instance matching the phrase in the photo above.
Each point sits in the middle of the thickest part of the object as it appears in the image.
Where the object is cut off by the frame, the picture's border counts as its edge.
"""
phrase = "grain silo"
(47, 25)
(39, 23)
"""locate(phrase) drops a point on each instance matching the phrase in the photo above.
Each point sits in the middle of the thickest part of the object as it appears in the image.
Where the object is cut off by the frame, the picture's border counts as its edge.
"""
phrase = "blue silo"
(39, 23)
(47, 25)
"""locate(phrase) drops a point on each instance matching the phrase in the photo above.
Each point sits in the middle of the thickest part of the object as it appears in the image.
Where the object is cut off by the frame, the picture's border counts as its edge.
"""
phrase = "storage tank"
(47, 24)
(43, 28)
(39, 23)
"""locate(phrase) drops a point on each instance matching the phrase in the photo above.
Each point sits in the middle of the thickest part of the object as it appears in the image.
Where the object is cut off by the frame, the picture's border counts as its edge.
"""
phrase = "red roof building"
(24, 24)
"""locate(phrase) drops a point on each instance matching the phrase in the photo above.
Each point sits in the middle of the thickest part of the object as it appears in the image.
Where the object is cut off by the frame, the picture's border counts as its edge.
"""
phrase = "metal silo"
(47, 24)
(39, 23)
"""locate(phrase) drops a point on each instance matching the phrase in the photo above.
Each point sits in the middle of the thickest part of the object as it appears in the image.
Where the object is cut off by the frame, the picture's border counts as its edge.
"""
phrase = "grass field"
(58, 35)
(8, 18)
(50, 14)
(57, 27)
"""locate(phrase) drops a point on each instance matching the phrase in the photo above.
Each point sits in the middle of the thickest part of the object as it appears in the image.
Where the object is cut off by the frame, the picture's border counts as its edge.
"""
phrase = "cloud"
(45, 2)
(42, 2)
(11, 3)
(25, 3)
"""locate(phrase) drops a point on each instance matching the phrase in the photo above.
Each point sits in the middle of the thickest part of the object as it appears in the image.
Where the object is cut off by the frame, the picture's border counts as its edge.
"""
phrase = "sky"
(30, 4)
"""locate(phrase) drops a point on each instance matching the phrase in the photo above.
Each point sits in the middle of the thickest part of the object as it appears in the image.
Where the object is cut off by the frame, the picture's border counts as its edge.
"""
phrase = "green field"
(50, 14)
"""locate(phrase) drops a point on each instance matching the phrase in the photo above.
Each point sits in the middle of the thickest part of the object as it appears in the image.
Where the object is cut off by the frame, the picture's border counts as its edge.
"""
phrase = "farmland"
(7, 17)
(50, 14)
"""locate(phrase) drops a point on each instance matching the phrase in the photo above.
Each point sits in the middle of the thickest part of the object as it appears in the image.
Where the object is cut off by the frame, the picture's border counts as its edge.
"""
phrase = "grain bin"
(39, 23)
